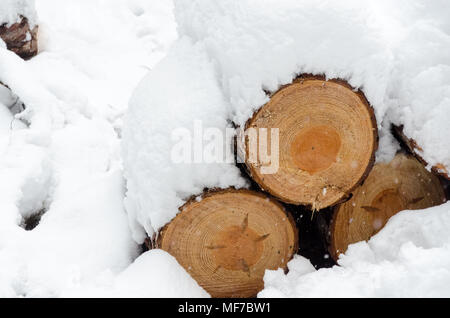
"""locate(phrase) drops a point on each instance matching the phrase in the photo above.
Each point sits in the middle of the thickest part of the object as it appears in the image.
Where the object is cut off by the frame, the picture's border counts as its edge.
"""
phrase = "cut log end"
(403, 184)
(229, 239)
(327, 142)
(20, 38)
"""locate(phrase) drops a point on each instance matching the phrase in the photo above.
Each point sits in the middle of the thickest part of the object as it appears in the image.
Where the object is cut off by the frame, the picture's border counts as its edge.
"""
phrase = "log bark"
(6, 96)
(227, 240)
(327, 141)
(20, 38)
(412, 146)
(403, 184)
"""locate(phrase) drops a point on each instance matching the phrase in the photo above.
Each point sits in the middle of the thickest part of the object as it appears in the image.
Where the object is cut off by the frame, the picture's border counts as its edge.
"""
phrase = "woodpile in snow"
(327, 141)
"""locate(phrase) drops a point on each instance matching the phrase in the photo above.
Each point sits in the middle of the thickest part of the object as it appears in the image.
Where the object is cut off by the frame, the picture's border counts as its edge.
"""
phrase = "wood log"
(227, 240)
(20, 38)
(327, 141)
(403, 184)
(412, 146)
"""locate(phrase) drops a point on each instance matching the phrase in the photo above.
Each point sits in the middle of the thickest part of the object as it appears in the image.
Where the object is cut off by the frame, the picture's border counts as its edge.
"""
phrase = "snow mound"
(410, 257)
(154, 274)
(11, 11)
(62, 220)
(157, 274)
(230, 53)
(183, 87)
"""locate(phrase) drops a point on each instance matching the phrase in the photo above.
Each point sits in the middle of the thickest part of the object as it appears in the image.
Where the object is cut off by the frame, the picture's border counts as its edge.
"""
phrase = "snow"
(154, 274)
(155, 111)
(409, 257)
(62, 155)
(12, 10)
(114, 79)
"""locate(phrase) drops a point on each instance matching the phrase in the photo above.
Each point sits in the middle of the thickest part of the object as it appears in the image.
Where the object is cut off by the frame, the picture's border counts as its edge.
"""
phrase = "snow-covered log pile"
(241, 64)
(234, 64)
(226, 71)
(18, 28)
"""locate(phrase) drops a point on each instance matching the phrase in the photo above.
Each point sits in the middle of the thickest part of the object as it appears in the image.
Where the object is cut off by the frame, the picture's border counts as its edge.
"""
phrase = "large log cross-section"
(327, 141)
(227, 241)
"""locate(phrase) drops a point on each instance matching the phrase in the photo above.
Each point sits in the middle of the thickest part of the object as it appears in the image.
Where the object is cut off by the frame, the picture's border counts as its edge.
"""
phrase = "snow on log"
(403, 184)
(6, 97)
(327, 141)
(20, 38)
(229, 239)
(415, 149)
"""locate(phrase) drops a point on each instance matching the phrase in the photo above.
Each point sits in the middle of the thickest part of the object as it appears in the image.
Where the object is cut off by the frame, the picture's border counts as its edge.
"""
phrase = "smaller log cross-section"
(403, 184)
(229, 239)
(327, 141)
(20, 38)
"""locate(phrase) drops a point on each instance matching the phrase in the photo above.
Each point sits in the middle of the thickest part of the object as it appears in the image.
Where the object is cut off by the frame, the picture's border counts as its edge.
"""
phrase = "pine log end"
(403, 184)
(229, 239)
(328, 137)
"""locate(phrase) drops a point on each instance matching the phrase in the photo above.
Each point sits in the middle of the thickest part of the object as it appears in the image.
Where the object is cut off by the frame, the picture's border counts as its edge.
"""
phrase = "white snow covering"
(11, 11)
(62, 155)
(156, 185)
(154, 274)
(410, 257)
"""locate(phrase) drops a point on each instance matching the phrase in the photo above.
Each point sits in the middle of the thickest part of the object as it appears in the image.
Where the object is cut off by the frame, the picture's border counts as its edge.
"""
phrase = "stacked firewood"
(326, 137)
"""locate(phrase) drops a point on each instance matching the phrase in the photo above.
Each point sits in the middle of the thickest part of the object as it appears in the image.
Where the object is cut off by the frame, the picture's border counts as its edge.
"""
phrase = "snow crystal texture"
(11, 11)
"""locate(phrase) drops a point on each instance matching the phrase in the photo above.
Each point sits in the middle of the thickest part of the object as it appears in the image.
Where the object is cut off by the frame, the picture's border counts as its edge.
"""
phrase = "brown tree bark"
(415, 149)
(20, 38)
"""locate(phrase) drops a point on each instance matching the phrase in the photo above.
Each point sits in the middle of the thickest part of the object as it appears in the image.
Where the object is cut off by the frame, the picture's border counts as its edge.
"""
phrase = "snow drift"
(60, 159)
(410, 257)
